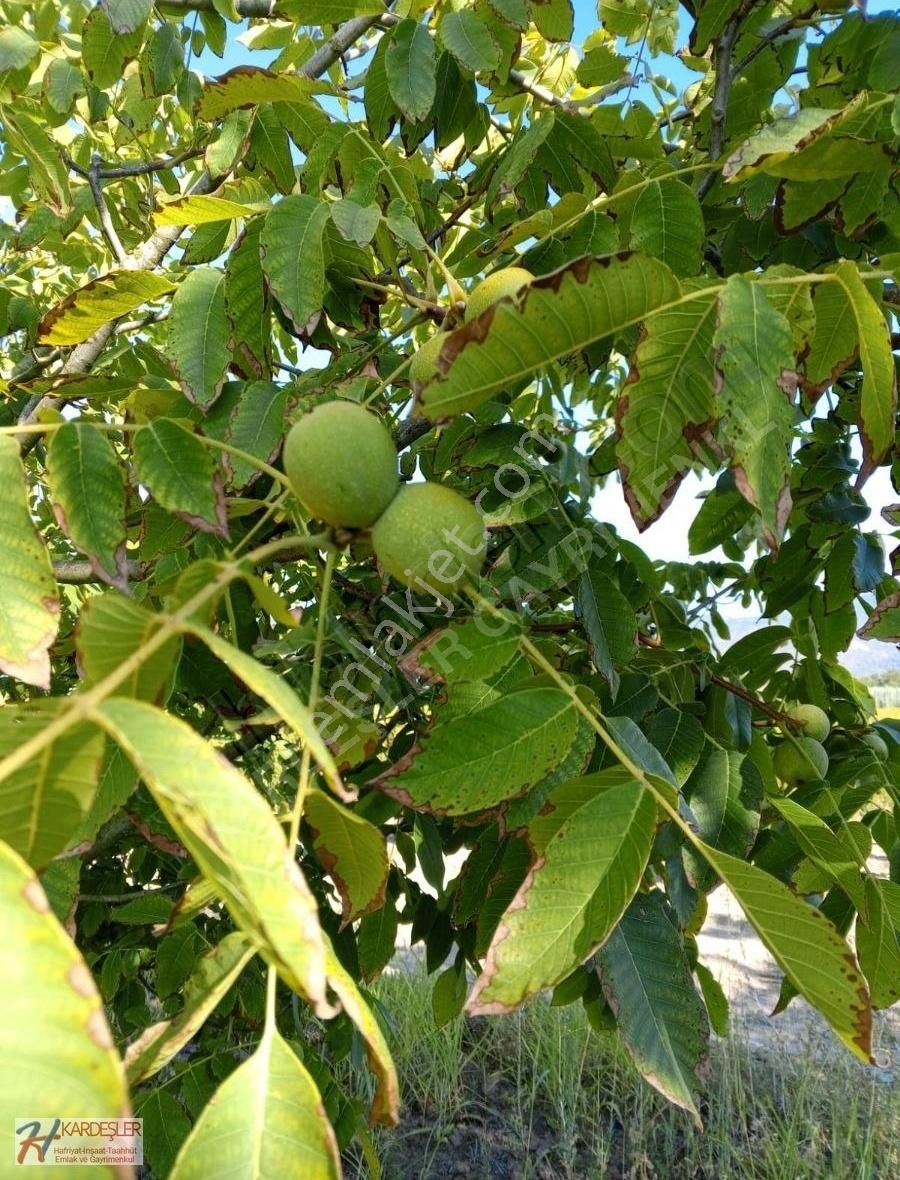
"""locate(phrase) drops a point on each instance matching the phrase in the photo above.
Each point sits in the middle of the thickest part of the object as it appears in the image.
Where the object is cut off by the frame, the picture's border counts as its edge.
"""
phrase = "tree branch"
(109, 230)
(722, 58)
(151, 252)
(767, 39)
(123, 170)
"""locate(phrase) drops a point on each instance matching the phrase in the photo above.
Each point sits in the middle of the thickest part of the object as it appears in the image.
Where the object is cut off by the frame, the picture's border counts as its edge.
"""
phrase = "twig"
(722, 58)
(109, 230)
(82, 573)
(122, 170)
(773, 35)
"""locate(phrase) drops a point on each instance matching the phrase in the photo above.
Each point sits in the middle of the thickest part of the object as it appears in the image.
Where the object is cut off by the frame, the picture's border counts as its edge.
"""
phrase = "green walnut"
(500, 285)
(877, 745)
(800, 761)
(813, 720)
(342, 464)
(424, 364)
(430, 538)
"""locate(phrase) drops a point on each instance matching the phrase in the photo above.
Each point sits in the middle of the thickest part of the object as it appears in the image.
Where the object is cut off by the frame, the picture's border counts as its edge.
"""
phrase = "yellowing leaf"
(97, 303)
(200, 210)
(29, 605)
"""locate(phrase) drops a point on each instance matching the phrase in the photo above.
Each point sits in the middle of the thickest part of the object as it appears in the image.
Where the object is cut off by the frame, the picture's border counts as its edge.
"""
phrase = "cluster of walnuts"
(342, 465)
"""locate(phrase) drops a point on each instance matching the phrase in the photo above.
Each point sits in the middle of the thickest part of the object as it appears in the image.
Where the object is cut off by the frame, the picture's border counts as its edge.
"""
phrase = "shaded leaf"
(293, 255)
(181, 474)
(475, 762)
(590, 854)
(409, 65)
(87, 488)
(352, 852)
(111, 628)
(648, 984)
(198, 335)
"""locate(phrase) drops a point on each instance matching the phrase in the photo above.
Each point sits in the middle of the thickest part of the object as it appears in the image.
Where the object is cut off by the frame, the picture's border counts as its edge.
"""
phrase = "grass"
(537, 1095)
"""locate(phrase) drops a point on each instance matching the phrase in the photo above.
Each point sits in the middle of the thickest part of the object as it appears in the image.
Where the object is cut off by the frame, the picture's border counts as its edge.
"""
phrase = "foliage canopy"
(233, 752)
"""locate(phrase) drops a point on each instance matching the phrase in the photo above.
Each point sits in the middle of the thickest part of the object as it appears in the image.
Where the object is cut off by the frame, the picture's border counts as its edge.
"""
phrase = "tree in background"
(247, 713)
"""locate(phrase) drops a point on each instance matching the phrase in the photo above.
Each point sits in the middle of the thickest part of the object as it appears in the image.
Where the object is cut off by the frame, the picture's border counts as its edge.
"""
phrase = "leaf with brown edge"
(351, 850)
(181, 475)
(558, 314)
(878, 396)
(806, 946)
(475, 762)
(647, 982)
(248, 86)
(590, 851)
(666, 405)
(97, 303)
(884, 621)
(755, 361)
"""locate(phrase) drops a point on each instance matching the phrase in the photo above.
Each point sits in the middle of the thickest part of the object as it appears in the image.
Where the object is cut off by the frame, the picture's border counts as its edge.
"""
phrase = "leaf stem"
(321, 627)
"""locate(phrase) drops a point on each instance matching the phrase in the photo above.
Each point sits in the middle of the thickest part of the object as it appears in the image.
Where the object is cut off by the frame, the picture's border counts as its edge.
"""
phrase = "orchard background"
(234, 747)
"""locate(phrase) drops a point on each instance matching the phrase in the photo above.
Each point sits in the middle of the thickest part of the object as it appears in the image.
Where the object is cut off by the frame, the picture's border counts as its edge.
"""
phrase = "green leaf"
(232, 834)
(884, 621)
(87, 489)
(667, 402)
(877, 945)
(246, 305)
(127, 15)
(381, 110)
(386, 1102)
(813, 956)
(181, 475)
(278, 694)
(352, 852)
(62, 83)
(266, 1119)
(29, 603)
(448, 996)
(409, 63)
(269, 144)
(878, 397)
(835, 341)
(198, 335)
(610, 623)
(211, 978)
(329, 12)
(98, 302)
(476, 649)
(49, 176)
(255, 425)
(43, 803)
(293, 255)
(469, 39)
(111, 628)
(105, 52)
(648, 984)
(356, 223)
(55, 1016)
(714, 998)
(558, 314)
(591, 852)
(200, 210)
(711, 16)
(664, 219)
(554, 19)
(18, 49)
(600, 66)
(247, 86)
(725, 795)
(475, 762)
(823, 848)
(755, 352)
(518, 158)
